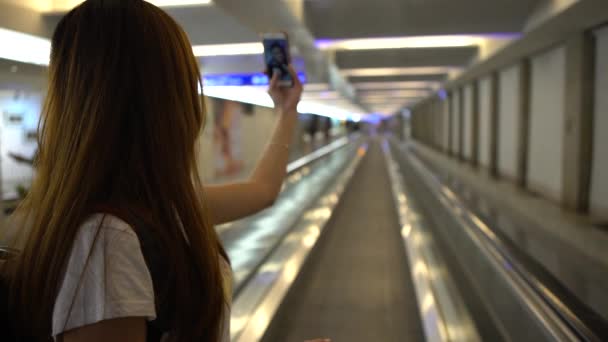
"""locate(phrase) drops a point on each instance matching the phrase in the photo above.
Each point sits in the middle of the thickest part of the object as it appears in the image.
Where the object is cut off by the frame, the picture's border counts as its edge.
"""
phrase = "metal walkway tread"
(355, 286)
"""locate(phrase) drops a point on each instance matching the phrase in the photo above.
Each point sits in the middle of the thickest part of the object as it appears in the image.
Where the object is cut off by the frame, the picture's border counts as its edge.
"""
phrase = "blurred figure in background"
(224, 118)
(327, 130)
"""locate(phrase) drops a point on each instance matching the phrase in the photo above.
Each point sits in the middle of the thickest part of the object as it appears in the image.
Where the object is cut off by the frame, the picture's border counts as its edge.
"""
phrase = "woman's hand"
(285, 99)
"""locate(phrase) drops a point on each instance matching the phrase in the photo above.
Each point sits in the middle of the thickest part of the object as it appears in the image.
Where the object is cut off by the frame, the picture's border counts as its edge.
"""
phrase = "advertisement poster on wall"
(19, 113)
(227, 138)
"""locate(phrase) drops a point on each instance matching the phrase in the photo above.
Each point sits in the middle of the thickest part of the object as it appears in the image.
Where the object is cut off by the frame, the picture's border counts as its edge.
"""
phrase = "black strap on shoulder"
(6, 324)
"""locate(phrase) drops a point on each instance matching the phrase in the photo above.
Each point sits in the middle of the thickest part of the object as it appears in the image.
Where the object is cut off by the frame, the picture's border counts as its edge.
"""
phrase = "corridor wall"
(599, 173)
(467, 124)
(508, 121)
(484, 121)
(545, 156)
(455, 125)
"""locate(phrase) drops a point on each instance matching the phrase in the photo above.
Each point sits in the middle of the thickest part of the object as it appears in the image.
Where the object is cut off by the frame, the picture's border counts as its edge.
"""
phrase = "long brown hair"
(120, 124)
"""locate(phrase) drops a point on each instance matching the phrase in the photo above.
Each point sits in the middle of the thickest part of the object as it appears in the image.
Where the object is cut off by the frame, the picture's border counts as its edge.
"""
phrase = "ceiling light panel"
(387, 112)
(27, 48)
(324, 95)
(66, 5)
(379, 72)
(172, 3)
(21, 47)
(400, 42)
(257, 96)
(252, 95)
(316, 87)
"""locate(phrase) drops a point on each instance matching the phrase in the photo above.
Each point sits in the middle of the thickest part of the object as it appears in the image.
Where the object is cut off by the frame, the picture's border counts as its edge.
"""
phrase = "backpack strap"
(6, 323)
(10, 331)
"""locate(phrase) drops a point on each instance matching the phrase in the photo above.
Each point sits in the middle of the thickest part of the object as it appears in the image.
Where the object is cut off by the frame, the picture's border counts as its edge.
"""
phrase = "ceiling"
(390, 18)
(310, 21)
(211, 25)
(353, 19)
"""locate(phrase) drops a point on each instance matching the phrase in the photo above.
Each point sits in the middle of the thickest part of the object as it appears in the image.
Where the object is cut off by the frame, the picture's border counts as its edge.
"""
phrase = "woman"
(118, 143)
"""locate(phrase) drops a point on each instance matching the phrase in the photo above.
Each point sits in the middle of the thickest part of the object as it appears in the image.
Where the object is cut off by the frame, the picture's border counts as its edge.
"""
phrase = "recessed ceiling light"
(400, 42)
(228, 49)
(362, 72)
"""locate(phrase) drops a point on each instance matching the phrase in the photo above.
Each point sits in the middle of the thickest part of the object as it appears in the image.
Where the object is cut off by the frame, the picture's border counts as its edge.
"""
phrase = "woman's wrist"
(286, 111)
(279, 145)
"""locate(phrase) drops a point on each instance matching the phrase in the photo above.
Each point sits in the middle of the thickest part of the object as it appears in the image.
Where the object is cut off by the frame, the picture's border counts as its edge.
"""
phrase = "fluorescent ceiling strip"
(388, 105)
(363, 72)
(66, 5)
(316, 87)
(322, 109)
(326, 95)
(389, 100)
(255, 48)
(396, 85)
(240, 94)
(400, 42)
(172, 3)
(259, 97)
(341, 102)
(394, 93)
(388, 111)
(25, 48)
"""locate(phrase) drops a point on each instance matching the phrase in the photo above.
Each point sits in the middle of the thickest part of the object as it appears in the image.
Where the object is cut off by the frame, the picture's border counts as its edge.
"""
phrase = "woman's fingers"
(294, 75)
(286, 98)
(274, 81)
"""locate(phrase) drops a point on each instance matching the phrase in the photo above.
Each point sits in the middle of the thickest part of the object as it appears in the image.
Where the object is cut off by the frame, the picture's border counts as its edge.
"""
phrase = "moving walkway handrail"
(319, 153)
(550, 310)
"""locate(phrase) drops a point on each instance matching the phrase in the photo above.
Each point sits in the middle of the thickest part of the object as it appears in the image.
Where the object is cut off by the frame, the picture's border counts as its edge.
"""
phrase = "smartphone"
(277, 58)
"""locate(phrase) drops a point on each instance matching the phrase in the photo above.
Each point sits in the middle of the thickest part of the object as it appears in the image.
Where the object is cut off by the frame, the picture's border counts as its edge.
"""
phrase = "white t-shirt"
(116, 282)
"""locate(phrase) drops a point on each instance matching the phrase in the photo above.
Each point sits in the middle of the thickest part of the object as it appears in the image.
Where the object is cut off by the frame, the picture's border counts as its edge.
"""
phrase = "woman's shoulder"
(105, 240)
(105, 277)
